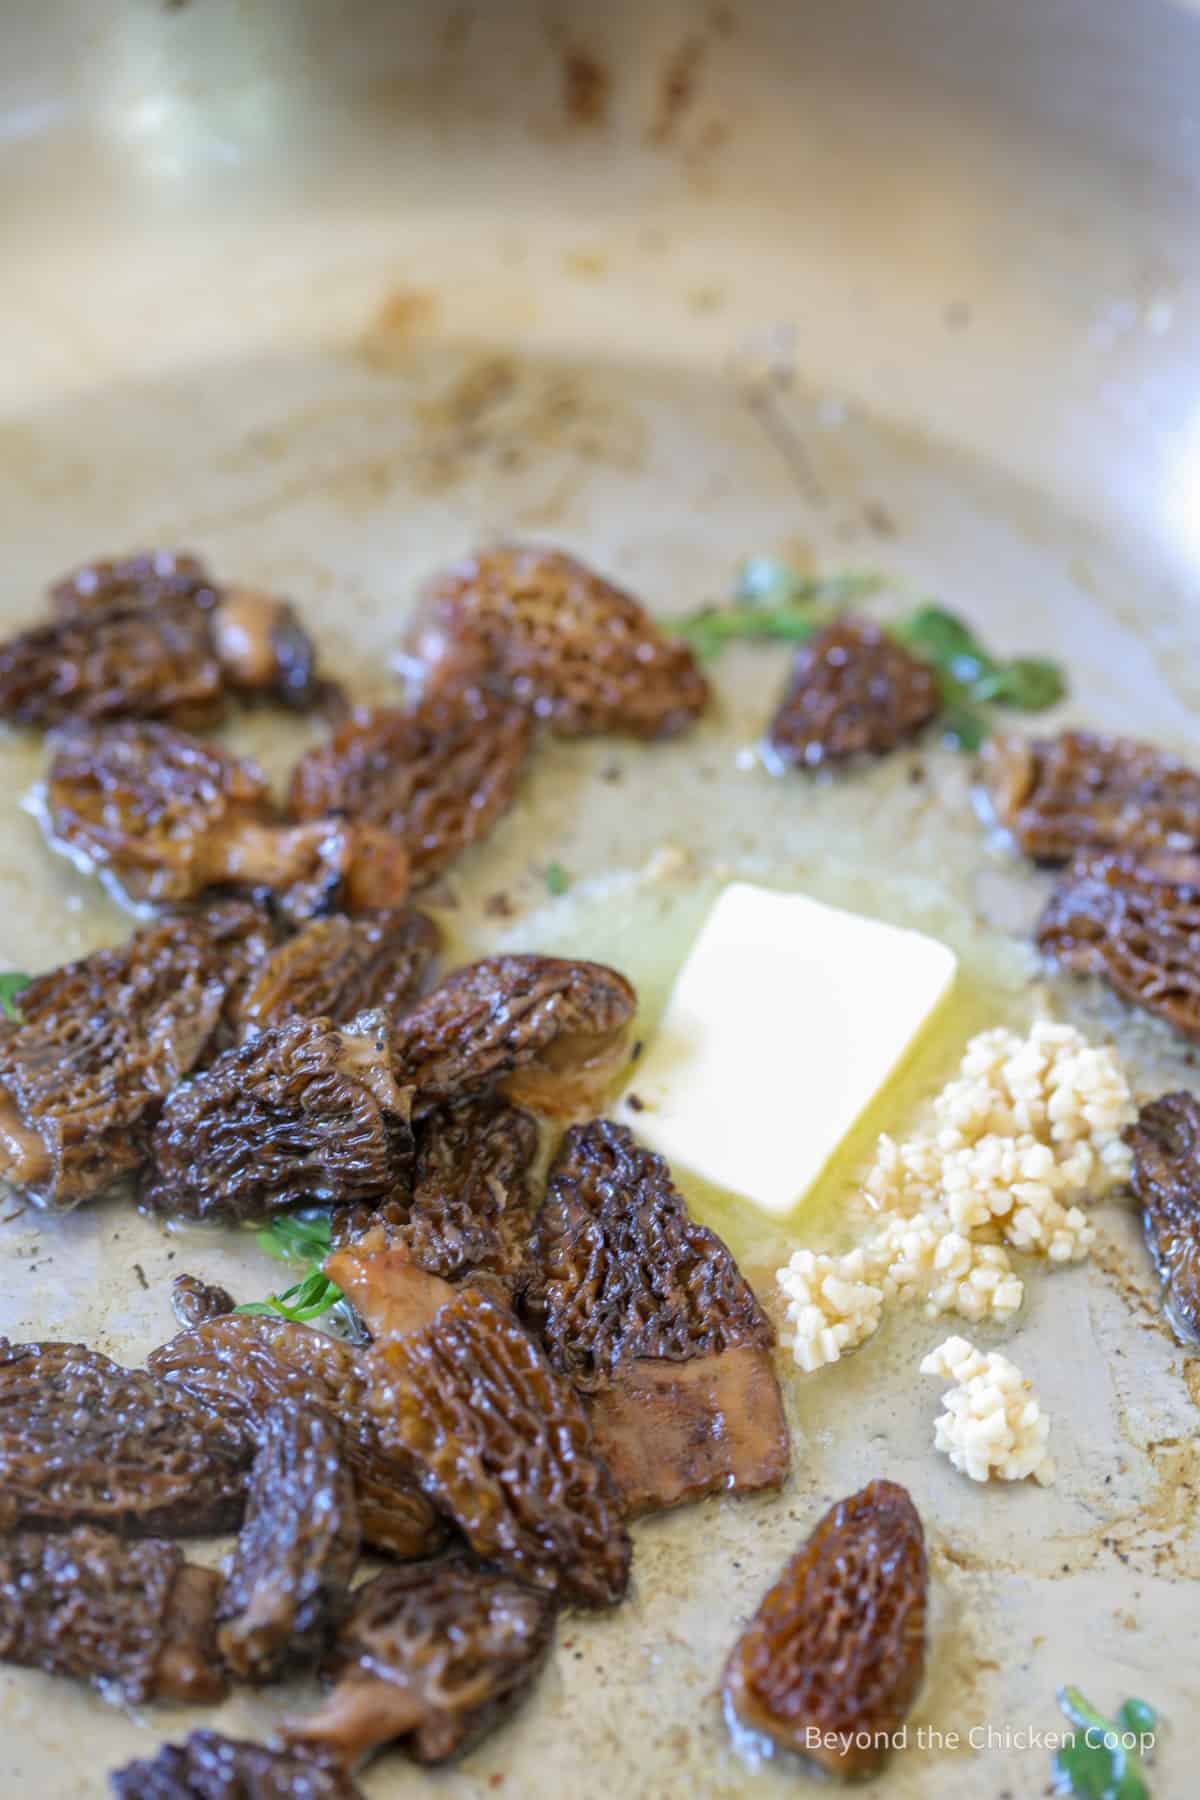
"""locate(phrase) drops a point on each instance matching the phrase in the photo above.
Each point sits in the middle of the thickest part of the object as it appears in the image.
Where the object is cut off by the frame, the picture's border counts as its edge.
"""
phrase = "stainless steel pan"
(332, 291)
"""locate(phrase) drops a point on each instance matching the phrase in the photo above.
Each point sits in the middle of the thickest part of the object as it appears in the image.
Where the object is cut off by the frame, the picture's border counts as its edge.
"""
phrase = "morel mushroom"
(437, 779)
(831, 1662)
(290, 1578)
(1165, 1142)
(338, 967)
(194, 1301)
(263, 649)
(431, 1657)
(501, 1445)
(131, 1615)
(114, 665)
(1085, 790)
(561, 640)
(142, 580)
(305, 1112)
(163, 816)
(242, 1366)
(647, 1314)
(84, 1441)
(853, 691)
(1134, 922)
(151, 636)
(208, 1767)
(99, 1043)
(551, 1034)
(472, 1202)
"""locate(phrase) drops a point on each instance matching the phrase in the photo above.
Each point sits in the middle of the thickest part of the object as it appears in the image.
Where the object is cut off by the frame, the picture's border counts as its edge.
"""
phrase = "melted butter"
(645, 927)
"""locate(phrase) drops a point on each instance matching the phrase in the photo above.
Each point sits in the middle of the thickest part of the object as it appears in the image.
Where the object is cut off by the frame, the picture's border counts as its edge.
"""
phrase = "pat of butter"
(783, 1024)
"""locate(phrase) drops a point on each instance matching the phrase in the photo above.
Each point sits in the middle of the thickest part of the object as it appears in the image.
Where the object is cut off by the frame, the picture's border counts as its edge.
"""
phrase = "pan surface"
(330, 294)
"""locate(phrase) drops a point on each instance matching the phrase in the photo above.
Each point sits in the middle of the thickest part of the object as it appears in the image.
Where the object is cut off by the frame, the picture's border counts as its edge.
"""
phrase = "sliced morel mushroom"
(242, 1366)
(648, 1315)
(193, 1301)
(853, 691)
(501, 1445)
(386, 1286)
(305, 1112)
(437, 779)
(164, 816)
(1084, 790)
(1134, 922)
(208, 1767)
(831, 1662)
(1166, 1180)
(338, 967)
(561, 640)
(472, 1201)
(143, 579)
(99, 1043)
(135, 1616)
(432, 1658)
(84, 1441)
(289, 1582)
(550, 1033)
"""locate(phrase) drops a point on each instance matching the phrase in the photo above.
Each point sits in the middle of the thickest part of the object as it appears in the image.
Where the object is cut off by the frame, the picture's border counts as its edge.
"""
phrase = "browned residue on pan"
(678, 84)
(586, 87)
(404, 315)
(1135, 1284)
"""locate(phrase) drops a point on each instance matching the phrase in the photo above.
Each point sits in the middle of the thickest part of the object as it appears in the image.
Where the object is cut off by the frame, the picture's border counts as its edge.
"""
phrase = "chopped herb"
(945, 642)
(970, 678)
(771, 602)
(557, 879)
(950, 647)
(303, 1238)
(1100, 1762)
(297, 1237)
(1031, 683)
(307, 1299)
(11, 984)
(962, 728)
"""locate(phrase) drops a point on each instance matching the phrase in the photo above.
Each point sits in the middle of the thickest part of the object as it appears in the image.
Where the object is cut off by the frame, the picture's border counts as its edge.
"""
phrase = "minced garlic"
(1026, 1131)
(832, 1305)
(993, 1424)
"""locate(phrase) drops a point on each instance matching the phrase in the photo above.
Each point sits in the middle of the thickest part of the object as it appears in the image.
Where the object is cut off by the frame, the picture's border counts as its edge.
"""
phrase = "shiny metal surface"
(331, 291)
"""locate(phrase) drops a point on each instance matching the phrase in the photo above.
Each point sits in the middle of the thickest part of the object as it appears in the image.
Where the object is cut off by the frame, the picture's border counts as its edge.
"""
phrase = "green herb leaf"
(12, 982)
(970, 677)
(1031, 683)
(771, 602)
(1136, 1715)
(962, 728)
(297, 1237)
(556, 878)
(1095, 1764)
(306, 1300)
(303, 1237)
(944, 641)
(1086, 1770)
